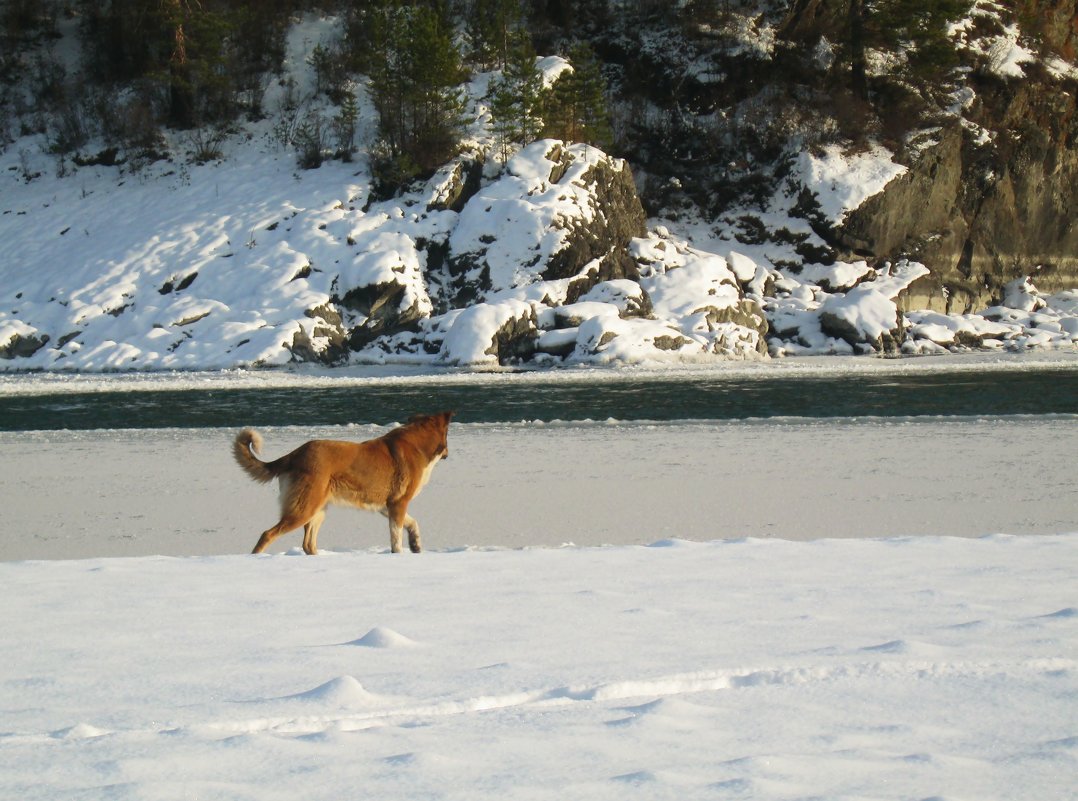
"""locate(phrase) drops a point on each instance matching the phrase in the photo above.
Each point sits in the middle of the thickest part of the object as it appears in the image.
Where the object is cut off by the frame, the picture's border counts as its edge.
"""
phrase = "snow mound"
(382, 637)
(80, 731)
(343, 691)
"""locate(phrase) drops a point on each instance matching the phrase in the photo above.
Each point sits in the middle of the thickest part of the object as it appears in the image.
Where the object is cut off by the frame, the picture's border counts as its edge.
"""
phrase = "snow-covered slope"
(252, 261)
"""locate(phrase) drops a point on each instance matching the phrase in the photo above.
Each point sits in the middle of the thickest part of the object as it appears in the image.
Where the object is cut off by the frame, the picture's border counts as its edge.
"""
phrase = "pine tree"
(344, 126)
(919, 25)
(517, 97)
(490, 27)
(575, 107)
(415, 73)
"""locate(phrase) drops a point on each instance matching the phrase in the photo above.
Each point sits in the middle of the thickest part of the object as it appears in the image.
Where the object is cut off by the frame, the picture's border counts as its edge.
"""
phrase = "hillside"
(760, 224)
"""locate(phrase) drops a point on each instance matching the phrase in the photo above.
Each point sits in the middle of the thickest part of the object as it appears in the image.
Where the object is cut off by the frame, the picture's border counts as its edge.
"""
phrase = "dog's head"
(438, 424)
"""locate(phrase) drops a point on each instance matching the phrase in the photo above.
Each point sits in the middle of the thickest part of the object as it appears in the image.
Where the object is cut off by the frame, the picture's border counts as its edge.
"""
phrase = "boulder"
(738, 330)
(489, 334)
(958, 330)
(22, 346)
(630, 299)
(864, 317)
(1021, 294)
(617, 216)
(557, 212)
(324, 341)
(453, 185)
(384, 310)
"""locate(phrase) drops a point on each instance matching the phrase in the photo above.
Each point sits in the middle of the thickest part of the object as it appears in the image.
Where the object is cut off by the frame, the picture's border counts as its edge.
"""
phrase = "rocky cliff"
(982, 206)
(978, 104)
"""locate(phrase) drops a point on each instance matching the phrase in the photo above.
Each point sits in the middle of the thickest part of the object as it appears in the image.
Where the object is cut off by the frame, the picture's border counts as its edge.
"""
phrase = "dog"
(381, 475)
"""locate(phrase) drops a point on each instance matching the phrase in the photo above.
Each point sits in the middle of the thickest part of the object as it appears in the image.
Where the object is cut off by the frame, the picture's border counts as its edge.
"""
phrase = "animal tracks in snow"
(343, 704)
(350, 707)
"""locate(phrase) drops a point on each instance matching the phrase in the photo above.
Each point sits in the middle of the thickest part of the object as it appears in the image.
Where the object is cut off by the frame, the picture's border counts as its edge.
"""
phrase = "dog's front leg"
(412, 525)
(310, 532)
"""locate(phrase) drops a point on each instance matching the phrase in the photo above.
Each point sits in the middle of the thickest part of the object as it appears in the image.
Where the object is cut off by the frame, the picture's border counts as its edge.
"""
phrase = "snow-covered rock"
(556, 209)
(863, 316)
(837, 277)
(958, 330)
(840, 181)
(487, 333)
(1020, 294)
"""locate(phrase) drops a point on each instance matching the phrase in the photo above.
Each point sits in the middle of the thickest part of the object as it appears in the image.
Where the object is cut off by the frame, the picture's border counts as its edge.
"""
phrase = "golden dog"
(382, 475)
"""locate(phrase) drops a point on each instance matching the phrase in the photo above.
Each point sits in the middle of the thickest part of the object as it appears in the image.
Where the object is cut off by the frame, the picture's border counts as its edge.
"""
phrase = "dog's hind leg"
(310, 532)
(300, 504)
(286, 524)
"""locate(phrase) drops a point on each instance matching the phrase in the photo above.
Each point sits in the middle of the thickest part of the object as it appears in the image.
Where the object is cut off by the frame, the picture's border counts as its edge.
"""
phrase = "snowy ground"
(887, 669)
(902, 668)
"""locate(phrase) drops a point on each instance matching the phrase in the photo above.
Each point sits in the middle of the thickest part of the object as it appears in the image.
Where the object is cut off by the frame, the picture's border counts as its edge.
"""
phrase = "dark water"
(1042, 391)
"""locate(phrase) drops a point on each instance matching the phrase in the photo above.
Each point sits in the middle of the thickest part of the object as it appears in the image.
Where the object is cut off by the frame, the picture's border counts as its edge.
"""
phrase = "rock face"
(617, 218)
(983, 207)
(21, 347)
(557, 210)
(383, 309)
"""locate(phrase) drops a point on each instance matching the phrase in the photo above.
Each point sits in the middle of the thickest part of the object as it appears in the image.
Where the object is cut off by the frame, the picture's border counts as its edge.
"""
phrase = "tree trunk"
(858, 80)
(181, 101)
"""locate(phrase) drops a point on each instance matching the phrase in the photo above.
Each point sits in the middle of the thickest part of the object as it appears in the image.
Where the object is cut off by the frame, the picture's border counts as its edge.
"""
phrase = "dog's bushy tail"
(247, 443)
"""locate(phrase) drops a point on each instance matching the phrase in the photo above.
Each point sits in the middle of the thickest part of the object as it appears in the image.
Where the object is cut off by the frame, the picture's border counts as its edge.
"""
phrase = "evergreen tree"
(920, 25)
(193, 56)
(199, 71)
(124, 40)
(490, 27)
(344, 126)
(415, 73)
(517, 97)
(575, 106)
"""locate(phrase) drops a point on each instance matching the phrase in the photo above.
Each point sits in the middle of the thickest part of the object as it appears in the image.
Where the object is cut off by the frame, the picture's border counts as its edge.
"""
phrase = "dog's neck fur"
(434, 446)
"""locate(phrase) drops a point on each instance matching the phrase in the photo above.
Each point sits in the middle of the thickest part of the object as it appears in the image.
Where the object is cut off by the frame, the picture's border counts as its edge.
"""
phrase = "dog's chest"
(425, 476)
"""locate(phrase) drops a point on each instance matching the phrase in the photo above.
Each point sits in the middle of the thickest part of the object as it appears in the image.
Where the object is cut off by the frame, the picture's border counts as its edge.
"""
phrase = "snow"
(639, 685)
(842, 180)
(1006, 53)
(665, 672)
